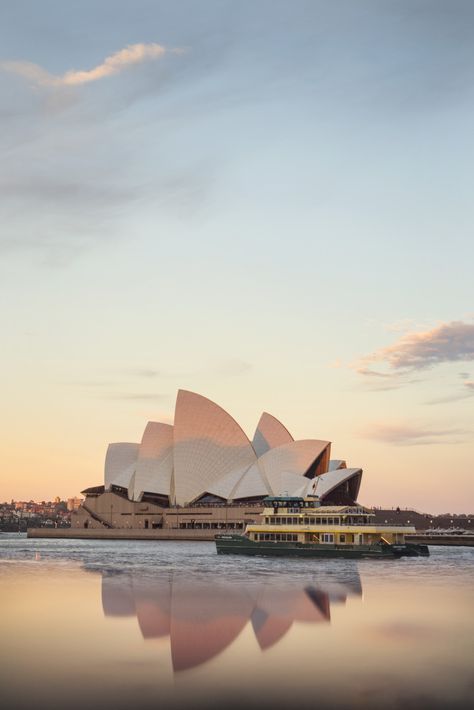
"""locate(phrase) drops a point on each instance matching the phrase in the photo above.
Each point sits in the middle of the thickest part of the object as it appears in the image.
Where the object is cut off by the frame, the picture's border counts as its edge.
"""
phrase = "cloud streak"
(448, 342)
(114, 64)
(403, 434)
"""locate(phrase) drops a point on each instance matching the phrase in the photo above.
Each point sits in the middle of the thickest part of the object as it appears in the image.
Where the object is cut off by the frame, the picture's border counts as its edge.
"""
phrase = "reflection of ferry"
(202, 618)
(302, 527)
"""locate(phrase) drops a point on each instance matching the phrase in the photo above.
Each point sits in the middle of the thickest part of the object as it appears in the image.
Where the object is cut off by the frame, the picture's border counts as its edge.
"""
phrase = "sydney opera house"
(203, 472)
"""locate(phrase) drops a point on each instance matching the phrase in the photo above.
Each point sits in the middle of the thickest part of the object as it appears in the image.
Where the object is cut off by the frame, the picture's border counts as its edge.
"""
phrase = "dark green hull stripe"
(271, 549)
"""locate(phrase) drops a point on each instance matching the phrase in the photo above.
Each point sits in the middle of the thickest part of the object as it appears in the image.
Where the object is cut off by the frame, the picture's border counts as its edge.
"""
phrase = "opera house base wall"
(112, 515)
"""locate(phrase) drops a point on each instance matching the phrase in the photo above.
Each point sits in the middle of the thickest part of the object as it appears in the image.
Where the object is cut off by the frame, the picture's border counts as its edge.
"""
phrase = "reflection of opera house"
(202, 618)
(204, 472)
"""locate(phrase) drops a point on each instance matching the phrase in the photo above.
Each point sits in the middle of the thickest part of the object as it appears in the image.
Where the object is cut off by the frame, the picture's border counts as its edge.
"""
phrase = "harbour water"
(143, 624)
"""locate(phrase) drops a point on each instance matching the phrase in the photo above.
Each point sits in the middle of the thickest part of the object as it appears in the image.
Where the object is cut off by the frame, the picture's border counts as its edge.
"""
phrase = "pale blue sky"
(236, 218)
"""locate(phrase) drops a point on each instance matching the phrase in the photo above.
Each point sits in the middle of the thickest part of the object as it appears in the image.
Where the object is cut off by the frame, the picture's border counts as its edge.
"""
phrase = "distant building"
(204, 471)
(74, 503)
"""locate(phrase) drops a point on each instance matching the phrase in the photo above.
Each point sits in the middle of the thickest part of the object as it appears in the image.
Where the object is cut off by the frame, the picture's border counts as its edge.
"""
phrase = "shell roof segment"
(269, 434)
(252, 485)
(324, 484)
(280, 469)
(154, 466)
(334, 464)
(226, 486)
(208, 445)
(119, 463)
(295, 458)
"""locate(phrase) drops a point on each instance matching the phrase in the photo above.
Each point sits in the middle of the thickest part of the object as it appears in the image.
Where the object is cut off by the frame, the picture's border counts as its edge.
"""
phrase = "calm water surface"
(116, 624)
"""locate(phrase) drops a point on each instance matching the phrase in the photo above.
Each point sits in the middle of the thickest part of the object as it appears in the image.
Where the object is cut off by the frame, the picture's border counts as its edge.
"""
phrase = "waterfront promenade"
(122, 534)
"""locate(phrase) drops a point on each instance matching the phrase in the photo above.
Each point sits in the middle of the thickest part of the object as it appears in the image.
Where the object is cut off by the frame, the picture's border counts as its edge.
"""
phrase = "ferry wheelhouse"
(294, 526)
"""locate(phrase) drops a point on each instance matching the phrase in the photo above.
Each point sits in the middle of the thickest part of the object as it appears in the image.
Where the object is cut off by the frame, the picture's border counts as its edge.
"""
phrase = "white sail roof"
(327, 482)
(120, 464)
(208, 445)
(269, 434)
(154, 466)
(206, 451)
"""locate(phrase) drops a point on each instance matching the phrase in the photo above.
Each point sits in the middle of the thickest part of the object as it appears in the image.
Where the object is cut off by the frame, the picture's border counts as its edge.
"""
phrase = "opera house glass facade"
(205, 461)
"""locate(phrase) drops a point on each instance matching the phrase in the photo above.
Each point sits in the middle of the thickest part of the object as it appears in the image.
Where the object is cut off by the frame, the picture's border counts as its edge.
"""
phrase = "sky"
(266, 202)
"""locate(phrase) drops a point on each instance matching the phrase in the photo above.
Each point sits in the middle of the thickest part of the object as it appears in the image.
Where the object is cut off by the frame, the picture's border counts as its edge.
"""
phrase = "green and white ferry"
(302, 527)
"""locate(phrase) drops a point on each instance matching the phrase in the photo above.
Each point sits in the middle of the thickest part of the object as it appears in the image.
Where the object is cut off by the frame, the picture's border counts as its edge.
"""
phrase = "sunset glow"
(269, 203)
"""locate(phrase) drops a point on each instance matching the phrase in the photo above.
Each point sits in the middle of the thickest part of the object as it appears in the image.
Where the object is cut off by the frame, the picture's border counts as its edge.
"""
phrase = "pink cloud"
(448, 342)
(113, 64)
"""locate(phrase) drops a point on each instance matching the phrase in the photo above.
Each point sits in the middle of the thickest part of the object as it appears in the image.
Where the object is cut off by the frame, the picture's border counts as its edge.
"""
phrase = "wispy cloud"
(136, 396)
(448, 342)
(466, 392)
(232, 367)
(401, 326)
(223, 368)
(113, 64)
(405, 434)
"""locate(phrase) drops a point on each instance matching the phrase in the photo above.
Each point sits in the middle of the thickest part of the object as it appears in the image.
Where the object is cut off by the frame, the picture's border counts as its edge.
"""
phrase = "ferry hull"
(240, 545)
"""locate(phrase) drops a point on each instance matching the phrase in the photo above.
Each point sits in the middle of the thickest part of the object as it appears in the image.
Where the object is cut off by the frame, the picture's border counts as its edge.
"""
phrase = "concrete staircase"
(96, 516)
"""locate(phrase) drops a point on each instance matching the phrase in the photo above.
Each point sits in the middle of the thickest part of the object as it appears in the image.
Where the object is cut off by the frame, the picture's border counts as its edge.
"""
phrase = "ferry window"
(342, 538)
(266, 521)
(337, 521)
(267, 536)
(324, 521)
(330, 521)
(295, 521)
(294, 538)
(328, 537)
(306, 521)
(318, 521)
